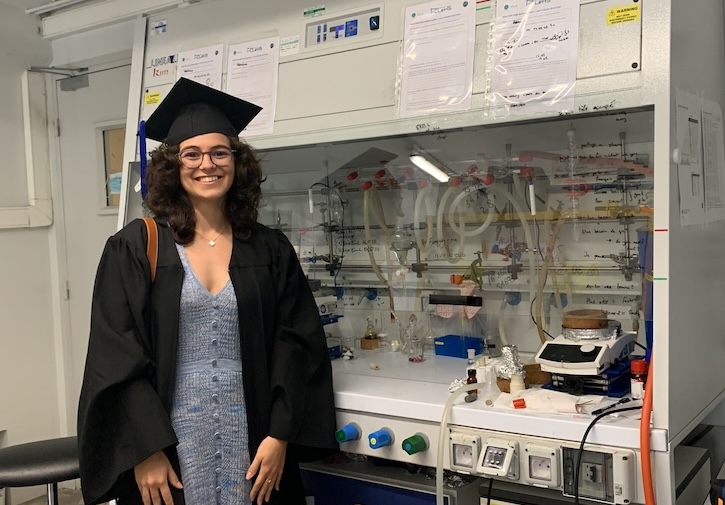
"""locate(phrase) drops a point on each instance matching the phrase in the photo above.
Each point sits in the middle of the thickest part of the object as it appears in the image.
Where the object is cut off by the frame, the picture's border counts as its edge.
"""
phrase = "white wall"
(26, 359)
(109, 43)
(28, 400)
(21, 46)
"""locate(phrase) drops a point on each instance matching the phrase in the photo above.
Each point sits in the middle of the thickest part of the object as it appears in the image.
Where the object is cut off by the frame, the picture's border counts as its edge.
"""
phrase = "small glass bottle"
(471, 356)
(473, 393)
(370, 339)
(639, 369)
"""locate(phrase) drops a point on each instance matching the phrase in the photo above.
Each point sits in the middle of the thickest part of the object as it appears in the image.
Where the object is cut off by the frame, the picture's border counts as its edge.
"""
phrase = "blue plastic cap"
(379, 439)
(348, 432)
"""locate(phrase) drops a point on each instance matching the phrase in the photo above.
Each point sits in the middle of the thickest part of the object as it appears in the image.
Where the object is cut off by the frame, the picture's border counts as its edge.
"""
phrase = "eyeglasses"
(192, 158)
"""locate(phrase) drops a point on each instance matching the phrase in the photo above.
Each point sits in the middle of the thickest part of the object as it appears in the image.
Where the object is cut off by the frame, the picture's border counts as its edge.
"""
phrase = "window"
(113, 140)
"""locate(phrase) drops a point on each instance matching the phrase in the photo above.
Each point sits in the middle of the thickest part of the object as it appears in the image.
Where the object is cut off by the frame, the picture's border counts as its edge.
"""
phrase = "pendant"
(212, 243)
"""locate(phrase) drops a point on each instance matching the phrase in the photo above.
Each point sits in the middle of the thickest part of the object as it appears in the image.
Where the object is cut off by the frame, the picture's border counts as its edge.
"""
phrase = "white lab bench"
(406, 399)
(395, 390)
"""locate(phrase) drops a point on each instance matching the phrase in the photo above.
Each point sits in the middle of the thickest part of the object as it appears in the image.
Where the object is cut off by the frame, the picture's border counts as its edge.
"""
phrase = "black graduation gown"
(128, 384)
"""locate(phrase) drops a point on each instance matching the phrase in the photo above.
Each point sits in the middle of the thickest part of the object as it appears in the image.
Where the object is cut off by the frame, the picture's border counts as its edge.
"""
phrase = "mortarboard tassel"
(142, 156)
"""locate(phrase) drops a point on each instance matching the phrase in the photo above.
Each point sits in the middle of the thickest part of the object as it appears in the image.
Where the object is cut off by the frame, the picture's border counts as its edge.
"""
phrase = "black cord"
(531, 313)
(538, 237)
(541, 253)
(639, 345)
(488, 494)
(581, 447)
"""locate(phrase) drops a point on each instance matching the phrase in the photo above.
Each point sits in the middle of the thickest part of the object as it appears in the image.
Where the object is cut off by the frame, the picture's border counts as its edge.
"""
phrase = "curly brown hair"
(166, 197)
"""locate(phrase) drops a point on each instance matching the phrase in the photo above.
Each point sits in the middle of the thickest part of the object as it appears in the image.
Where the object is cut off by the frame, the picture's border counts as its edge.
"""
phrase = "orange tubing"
(644, 433)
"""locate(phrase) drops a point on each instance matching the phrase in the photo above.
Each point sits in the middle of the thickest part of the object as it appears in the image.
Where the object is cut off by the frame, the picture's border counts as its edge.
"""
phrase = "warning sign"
(620, 15)
(153, 98)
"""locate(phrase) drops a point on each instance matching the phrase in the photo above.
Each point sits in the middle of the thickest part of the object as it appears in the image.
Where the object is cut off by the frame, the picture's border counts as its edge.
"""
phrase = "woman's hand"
(153, 476)
(267, 465)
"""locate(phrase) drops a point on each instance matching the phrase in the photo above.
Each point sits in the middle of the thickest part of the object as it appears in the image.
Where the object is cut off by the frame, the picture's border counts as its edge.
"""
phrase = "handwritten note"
(713, 160)
(534, 53)
(252, 72)
(203, 65)
(689, 145)
(438, 50)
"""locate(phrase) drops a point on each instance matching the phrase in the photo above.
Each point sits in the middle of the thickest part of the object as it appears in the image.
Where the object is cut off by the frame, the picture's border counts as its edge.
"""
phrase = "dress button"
(216, 417)
(218, 471)
(218, 489)
(214, 324)
(214, 378)
(214, 341)
(215, 397)
(213, 363)
(218, 435)
(218, 454)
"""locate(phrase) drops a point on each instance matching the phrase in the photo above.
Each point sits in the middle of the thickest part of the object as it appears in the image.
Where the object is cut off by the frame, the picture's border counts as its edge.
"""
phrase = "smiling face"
(207, 167)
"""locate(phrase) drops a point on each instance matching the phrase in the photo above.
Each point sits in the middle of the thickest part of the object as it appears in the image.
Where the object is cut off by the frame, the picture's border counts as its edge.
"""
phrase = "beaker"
(429, 337)
(415, 350)
(490, 392)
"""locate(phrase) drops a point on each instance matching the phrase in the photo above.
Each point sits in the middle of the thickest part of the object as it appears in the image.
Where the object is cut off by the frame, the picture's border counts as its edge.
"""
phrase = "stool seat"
(39, 463)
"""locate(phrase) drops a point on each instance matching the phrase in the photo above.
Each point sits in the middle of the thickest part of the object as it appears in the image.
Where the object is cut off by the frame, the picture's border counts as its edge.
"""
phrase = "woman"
(209, 384)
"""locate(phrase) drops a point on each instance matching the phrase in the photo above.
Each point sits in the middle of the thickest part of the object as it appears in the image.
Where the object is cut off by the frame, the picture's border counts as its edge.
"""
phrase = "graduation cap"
(192, 109)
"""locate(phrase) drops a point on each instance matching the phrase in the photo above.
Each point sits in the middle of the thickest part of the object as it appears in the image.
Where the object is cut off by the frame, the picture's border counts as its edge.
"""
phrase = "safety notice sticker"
(152, 98)
(619, 15)
(312, 12)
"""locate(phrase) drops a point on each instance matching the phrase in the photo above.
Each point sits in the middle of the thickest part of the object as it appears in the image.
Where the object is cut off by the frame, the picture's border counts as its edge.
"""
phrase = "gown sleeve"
(121, 419)
(303, 409)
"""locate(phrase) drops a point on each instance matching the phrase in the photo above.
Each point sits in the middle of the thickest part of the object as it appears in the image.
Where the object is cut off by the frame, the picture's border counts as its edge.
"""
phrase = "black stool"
(40, 463)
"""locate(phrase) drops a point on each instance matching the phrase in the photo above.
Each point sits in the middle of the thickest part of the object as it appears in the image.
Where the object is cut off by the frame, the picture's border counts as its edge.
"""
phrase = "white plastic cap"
(517, 384)
(471, 353)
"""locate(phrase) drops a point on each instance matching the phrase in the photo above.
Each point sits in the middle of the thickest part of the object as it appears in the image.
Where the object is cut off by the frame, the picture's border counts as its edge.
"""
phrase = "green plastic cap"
(415, 444)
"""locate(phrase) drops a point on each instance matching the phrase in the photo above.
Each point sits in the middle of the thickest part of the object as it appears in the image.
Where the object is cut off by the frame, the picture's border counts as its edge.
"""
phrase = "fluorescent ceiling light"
(424, 164)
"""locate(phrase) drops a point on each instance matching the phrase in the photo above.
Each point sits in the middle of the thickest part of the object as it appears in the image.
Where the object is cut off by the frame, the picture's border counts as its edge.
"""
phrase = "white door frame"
(62, 338)
(59, 271)
(133, 112)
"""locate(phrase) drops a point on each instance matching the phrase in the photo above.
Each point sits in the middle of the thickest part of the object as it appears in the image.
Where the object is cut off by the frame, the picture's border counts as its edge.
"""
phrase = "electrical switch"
(380, 438)
(350, 431)
(415, 444)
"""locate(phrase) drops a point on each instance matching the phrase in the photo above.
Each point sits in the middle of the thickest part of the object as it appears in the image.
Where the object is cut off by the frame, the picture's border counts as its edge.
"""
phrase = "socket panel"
(534, 461)
(539, 462)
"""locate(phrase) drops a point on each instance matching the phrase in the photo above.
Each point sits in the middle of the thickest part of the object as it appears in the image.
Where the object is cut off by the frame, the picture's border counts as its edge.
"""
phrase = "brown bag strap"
(152, 244)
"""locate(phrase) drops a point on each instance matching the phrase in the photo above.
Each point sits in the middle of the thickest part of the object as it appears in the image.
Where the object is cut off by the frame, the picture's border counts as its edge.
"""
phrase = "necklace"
(212, 242)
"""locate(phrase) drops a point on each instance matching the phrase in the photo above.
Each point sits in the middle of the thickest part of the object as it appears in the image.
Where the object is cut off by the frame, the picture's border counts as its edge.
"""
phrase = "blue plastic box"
(457, 346)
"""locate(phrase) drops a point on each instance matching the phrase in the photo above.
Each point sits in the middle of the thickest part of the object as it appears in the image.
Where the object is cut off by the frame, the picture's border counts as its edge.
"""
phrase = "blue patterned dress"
(208, 412)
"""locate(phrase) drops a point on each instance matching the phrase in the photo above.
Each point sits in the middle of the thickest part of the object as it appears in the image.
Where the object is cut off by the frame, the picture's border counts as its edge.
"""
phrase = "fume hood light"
(424, 164)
